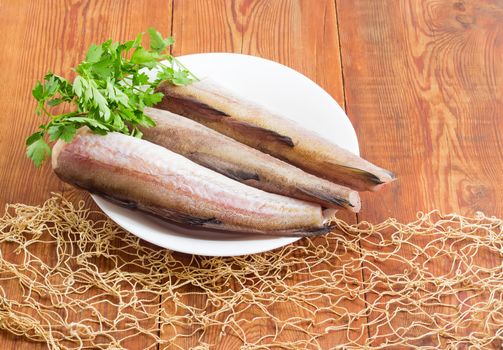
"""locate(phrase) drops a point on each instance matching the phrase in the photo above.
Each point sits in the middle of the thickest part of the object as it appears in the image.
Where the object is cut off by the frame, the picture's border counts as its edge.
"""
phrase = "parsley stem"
(131, 85)
(47, 112)
(109, 92)
(181, 65)
(56, 118)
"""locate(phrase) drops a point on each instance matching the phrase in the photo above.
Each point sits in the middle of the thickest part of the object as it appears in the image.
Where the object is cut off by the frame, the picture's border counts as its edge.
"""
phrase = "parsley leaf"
(94, 53)
(38, 151)
(109, 92)
(145, 57)
(64, 132)
(157, 43)
(38, 91)
(34, 137)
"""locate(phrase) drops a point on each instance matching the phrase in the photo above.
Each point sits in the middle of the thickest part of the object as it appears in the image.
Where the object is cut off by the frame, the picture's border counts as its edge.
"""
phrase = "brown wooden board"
(421, 80)
(300, 34)
(39, 36)
(424, 87)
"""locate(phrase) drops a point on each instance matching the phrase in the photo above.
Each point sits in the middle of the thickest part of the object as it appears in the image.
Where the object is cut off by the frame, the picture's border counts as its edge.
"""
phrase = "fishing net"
(73, 279)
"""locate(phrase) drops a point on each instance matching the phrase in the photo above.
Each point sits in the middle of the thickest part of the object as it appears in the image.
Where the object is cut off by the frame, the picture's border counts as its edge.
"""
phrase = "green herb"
(109, 92)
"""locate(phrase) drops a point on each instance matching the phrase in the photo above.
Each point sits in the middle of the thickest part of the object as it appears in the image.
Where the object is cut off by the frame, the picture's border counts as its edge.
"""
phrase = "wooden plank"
(423, 88)
(299, 34)
(40, 36)
(198, 26)
(205, 26)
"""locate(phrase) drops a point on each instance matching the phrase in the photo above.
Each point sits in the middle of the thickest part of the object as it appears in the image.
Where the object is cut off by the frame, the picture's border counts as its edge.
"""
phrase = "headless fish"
(139, 174)
(242, 163)
(247, 122)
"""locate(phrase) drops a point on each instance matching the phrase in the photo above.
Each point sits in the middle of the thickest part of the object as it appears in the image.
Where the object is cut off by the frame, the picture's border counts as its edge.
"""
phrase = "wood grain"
(423, 86)
(304, 37)
(199, 26)
(424, 91)
(205, 26)
(52, 35)
(300, 34)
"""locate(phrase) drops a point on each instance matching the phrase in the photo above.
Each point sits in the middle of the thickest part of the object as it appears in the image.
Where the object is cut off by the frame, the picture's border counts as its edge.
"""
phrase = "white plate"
(273, 85)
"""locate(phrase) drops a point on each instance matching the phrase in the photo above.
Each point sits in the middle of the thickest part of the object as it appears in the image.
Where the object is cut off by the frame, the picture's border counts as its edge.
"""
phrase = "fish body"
(242, 163)
(139, 174)
(247, 122)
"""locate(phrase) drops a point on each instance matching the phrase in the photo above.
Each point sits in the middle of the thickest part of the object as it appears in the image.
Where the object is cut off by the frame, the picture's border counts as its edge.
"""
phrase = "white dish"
(273, 85)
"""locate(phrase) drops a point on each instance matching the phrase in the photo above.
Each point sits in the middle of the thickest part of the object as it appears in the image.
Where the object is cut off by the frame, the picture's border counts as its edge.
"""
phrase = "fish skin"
(217, 108)
(243, 163)
(139, 174)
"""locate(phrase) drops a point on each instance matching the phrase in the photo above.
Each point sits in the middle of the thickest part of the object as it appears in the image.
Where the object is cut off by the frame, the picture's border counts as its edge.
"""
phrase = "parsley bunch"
(109, 92)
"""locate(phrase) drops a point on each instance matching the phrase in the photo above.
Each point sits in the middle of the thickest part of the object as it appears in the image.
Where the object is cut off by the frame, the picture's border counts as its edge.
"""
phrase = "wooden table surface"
(421, 81)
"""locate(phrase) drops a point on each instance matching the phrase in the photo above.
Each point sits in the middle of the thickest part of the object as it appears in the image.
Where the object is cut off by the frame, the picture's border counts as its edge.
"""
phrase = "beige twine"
(74, 283)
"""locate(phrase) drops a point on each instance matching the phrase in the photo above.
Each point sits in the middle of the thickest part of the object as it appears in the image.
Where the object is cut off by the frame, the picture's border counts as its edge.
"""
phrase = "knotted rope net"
(73, 279)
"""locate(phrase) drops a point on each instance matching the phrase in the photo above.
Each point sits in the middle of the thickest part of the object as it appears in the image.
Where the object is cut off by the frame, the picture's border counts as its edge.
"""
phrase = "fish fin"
(315, 231)
(308, 232)
(334, 199)
(188, 108)
(297, 232)
(118, 201)
(261, 133)
(163, 213)
(357, 179)
(372, 178)
(239, 175)
(180, 218)
(194, 221)
(223, 167)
